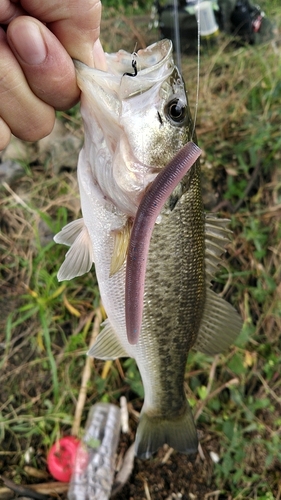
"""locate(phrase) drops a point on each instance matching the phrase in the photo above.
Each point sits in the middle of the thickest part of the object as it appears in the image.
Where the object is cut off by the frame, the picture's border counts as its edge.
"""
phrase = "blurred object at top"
(239, 18)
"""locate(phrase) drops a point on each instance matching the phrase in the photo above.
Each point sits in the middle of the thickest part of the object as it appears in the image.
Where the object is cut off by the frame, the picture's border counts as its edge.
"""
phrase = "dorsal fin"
(217, 235)
(221, 323)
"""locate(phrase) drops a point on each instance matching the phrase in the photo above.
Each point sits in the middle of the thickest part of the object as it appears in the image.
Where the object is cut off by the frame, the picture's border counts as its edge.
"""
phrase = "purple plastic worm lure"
(149, 209)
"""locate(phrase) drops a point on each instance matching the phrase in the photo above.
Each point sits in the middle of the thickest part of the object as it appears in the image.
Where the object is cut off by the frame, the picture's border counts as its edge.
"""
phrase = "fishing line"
(198, 68)
(135, 56)
(177, 34)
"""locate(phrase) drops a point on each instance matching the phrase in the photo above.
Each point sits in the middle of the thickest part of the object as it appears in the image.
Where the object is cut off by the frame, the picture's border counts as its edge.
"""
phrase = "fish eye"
(176, 111)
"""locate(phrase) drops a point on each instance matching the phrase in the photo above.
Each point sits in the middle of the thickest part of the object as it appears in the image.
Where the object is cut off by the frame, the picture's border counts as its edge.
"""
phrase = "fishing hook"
(134, 66)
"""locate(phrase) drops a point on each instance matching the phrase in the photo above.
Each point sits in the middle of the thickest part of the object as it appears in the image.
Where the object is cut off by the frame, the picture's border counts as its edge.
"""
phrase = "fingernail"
(28, 42)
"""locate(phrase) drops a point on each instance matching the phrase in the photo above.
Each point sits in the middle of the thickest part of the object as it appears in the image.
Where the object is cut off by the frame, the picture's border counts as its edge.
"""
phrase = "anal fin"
(107, 345)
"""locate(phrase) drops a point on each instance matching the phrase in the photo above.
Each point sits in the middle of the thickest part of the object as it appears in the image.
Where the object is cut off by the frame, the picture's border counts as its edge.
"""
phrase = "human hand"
(36, 68)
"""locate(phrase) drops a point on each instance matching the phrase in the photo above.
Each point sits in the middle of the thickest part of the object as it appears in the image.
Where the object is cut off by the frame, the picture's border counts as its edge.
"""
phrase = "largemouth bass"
(137, 121)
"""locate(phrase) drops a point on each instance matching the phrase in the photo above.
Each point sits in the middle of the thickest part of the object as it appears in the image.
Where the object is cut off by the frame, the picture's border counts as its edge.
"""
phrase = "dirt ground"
(172, 476)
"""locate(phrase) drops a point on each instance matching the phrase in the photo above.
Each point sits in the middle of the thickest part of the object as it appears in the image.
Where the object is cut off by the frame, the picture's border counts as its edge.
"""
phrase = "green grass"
(244, 147)
(46, 326)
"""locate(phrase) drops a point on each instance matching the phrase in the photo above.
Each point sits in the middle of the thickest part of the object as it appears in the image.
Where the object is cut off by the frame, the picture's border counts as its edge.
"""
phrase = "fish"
(155, 256)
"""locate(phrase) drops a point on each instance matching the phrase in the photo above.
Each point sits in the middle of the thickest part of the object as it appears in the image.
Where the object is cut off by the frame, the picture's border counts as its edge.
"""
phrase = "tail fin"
(179, 433)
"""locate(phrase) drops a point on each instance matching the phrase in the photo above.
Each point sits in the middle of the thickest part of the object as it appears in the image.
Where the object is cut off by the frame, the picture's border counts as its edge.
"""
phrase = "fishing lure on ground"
(134, 129)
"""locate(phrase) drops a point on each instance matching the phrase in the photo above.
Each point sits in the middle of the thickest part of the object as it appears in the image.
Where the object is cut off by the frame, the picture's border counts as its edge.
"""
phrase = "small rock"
(61, 148)
(10, 170)
(214, 457)
(45, 233)
(26, 152)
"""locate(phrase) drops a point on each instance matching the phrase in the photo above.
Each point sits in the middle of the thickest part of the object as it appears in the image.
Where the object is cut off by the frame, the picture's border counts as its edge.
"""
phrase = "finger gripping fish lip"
(148, 211)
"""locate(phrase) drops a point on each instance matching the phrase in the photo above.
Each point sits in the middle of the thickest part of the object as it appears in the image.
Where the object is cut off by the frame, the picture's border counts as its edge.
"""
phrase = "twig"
(46, 489)
(249, 186)
(119, 368)
(267, 388)
(212, 374)
(17, 198)
(216, 493)
(202, 404)
(279, 492)
(85, 321)
(224, 204)
(22, 490)
(209, 386)
(201, 452)
(234, 208)
(32, 472)
(124, 415)
(125, 471)
(85, 377)
(146, 490)
(228, 282)
(167, 455)
(135, 31)
(135, 414)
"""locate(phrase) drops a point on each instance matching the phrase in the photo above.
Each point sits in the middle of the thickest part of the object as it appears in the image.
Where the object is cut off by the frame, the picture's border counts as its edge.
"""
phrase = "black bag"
(244, 20)
(239, 18)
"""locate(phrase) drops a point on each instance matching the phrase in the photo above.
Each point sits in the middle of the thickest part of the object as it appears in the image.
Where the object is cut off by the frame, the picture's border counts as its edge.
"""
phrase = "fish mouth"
(108, 98)
(148, 60)
(153, 65)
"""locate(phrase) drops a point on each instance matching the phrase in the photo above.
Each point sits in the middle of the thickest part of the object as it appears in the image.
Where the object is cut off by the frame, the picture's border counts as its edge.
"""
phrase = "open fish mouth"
(127, 115)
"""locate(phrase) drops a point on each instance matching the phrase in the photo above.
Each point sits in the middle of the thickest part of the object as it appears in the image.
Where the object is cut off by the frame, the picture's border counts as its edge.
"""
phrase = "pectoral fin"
(220, 325)
(79, 258)
(107, 345)
(69, 233)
